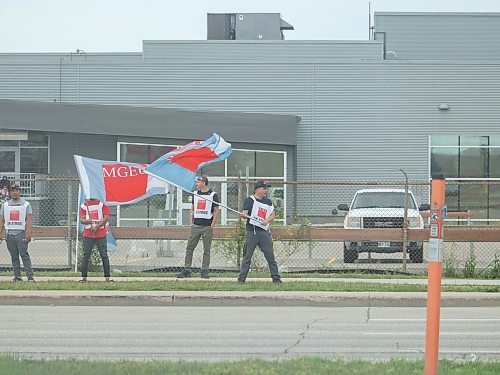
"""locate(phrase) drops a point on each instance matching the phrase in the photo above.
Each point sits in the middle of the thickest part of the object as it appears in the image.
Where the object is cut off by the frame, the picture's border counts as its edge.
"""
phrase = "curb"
(242, 298)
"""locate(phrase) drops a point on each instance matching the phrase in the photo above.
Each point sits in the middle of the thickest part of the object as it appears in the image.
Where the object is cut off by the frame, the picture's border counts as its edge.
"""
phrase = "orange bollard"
(435, 267)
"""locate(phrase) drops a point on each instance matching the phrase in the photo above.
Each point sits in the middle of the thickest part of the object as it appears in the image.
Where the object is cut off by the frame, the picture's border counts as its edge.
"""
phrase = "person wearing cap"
(259, 212)
(202, 218)
(94, 215)
(16, 218)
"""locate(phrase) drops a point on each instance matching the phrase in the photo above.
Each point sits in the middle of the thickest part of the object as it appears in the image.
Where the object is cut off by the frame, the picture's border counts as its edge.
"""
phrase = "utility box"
(246, 26)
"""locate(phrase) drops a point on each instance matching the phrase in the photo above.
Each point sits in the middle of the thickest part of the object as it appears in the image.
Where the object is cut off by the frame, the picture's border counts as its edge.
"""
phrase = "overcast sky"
(122, 25)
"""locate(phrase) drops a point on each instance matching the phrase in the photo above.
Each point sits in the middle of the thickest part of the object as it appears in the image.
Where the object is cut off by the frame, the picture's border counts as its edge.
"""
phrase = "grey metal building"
(422, 96)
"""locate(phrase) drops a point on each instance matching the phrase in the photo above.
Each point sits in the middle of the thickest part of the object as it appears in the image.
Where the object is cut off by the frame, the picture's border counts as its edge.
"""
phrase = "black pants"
(263, 239)
(88, 246)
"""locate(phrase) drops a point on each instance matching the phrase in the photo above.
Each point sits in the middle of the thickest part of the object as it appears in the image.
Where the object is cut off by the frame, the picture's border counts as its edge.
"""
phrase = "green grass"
(351, 275)
(202, 285)
(302, 366)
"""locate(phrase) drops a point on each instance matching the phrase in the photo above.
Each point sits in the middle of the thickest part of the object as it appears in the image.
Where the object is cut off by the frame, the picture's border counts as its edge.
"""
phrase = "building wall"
(251, 50)
(359, 119)
(440, 36)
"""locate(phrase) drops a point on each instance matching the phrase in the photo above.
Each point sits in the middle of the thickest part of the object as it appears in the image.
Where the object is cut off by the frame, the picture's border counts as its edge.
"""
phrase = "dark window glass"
(157, 151)
(473, 162)
(7, 161)
(154, 208)
(494, 202)
(9, 143)
(444, 140)
(216, 169)
(452, 195)
(494, 162)
(134, 153)
(142, 153)
(474, 198)
(444, 161)
(240, 163)
(36, 139)
(35, 160)
(269, 164)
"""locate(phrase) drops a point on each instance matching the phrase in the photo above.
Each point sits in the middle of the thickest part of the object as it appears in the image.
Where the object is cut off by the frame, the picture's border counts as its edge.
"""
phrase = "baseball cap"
(15, 187)
(202, 178)
(261, 183)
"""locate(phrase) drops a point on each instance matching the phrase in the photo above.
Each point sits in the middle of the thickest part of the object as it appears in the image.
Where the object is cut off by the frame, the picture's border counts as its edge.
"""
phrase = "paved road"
(216, 333)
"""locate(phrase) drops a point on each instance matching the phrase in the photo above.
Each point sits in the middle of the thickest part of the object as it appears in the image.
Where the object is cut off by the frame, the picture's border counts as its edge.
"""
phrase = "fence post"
(70, 237)
(405, 221)
(435, 266)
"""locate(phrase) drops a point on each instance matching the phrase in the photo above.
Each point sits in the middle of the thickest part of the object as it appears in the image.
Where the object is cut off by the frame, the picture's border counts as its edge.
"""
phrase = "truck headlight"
(414, 222)
(353, 222)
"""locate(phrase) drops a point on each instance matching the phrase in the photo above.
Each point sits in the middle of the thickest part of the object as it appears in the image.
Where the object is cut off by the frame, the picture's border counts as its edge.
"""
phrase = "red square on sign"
(14, 215)
(94, 215)
(262, 213)
(202, 204)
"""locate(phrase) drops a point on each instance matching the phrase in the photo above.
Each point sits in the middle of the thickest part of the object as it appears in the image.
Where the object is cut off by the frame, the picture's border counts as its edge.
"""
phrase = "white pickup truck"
(382, 209)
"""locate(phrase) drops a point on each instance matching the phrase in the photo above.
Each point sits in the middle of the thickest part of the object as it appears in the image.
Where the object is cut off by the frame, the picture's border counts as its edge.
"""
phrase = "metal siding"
(373, 119)
(358, 120)
(441, 36)
(69, 57)
(29, 82)
(244, 51)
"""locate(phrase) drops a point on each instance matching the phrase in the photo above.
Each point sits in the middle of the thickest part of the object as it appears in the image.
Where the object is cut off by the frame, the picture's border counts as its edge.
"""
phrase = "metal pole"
(70, 237)
(405, 221)
(435, 267)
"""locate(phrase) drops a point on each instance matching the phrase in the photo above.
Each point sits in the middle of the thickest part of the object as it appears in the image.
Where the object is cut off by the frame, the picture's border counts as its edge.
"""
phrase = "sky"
(122, 25)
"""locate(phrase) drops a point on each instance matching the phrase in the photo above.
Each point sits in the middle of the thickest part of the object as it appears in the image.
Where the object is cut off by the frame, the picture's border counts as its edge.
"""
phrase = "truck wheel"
(416, 252)
(350, 252)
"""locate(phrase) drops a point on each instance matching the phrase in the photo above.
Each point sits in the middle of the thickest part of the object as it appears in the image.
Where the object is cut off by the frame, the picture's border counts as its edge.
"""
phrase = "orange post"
(435, 266)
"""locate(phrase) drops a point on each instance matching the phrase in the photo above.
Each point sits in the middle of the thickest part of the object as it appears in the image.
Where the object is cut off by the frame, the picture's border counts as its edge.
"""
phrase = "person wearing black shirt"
(203, 218)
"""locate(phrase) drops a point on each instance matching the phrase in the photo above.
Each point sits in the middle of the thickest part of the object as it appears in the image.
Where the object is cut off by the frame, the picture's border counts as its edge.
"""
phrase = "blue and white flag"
(179, 167)
(114, 182)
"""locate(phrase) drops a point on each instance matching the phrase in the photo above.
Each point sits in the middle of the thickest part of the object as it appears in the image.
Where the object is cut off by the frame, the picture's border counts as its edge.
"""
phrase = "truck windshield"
(382, 200)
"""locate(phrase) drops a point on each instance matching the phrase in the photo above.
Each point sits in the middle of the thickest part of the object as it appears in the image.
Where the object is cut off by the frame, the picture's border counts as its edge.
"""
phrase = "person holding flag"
(202, 218)
(259, 212)
(94, 215)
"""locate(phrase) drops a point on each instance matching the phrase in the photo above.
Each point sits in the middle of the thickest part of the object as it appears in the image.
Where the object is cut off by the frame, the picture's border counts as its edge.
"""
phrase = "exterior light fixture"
(444, 106)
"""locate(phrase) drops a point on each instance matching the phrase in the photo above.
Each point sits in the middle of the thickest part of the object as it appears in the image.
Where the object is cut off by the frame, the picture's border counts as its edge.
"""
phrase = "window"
(269, 165)
(475, 159)
(27, 156)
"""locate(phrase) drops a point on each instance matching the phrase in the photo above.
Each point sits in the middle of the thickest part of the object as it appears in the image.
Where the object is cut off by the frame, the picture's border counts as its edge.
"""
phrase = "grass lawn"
(306, 365)
(213, 285)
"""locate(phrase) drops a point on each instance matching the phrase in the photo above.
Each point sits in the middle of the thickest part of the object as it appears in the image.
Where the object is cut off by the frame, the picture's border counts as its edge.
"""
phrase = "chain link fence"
(333, 226)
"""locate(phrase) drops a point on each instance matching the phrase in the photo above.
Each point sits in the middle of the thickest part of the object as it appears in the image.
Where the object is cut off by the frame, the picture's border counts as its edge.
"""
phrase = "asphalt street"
(229, 333)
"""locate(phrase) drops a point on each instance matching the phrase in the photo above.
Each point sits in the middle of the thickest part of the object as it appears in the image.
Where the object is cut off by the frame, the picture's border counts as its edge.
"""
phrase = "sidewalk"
(249, 298)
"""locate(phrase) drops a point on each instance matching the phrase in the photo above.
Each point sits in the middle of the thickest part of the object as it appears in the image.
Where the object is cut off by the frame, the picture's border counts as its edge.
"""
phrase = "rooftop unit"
(246, 26)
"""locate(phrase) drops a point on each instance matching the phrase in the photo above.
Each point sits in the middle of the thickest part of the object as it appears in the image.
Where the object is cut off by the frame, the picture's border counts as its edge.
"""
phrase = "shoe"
(277, 282)
(204, 275)
(31, 280)
(83, 280)
(16, 279)
(241, 281)
(184, 273)
(109, 280)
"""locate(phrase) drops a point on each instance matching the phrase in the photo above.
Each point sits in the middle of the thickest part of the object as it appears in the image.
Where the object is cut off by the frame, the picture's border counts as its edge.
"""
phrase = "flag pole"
(194, 193)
